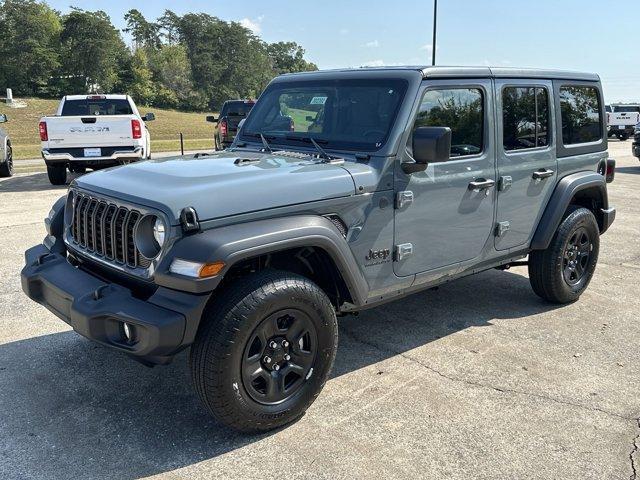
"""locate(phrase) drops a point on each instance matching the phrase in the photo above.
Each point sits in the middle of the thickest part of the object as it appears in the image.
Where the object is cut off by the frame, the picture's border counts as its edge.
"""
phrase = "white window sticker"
(318, 100)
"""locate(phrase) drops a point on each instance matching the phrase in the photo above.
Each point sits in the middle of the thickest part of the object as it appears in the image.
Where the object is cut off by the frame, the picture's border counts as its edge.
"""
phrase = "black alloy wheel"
(576, 256)
(279, 356)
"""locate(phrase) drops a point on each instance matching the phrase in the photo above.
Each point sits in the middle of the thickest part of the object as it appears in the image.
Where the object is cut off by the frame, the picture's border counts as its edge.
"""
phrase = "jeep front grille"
(105, 230)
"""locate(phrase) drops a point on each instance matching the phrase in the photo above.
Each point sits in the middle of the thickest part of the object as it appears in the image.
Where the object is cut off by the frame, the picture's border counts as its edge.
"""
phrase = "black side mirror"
(149, 117)
(212, 119)
(430, 145)
(3, 118)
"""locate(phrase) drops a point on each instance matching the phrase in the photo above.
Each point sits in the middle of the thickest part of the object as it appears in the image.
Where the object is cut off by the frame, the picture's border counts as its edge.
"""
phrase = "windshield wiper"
(321, 151)
(267, 147)
(265, 142)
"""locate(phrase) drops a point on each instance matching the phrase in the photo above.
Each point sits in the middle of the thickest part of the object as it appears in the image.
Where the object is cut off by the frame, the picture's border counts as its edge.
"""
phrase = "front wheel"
(264, 351)
(562, 272)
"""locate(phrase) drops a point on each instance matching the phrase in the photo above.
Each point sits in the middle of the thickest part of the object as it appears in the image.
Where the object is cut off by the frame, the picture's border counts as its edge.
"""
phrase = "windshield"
(96, 107)
(236, 109)
(339, 114)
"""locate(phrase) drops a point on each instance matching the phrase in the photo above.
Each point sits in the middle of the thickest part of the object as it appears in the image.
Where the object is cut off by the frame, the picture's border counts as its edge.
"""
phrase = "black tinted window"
(626, 108)
(580, 110)
(525, 118)
(460, 109)
(96, 107)
(236, 109)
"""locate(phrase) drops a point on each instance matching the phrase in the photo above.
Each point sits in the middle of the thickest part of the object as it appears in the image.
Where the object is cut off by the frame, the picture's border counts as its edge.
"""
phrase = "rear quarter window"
(580, 112)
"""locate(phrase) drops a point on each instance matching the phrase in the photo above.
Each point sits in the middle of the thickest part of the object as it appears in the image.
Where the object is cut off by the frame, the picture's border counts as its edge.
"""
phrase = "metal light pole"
(435, 24)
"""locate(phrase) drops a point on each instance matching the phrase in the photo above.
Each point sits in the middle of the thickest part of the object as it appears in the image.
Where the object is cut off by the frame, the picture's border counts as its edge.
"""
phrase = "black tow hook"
(97, 294)
(41, 258)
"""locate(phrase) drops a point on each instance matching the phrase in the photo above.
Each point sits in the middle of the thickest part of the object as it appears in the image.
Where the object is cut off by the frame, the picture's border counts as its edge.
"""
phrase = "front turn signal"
(210, 269)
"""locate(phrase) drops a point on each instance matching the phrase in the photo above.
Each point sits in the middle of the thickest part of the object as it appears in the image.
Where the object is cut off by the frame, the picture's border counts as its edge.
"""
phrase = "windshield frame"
(300, 140)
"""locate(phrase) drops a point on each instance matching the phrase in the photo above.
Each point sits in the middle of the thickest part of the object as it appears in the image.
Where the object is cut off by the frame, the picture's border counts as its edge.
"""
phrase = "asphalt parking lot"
(477, 379)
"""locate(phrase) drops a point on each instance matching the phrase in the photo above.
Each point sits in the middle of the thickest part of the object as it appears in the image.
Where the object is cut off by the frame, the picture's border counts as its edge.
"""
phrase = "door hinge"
(403, 251)
(505, 183)
(502, 228)
(403, 199)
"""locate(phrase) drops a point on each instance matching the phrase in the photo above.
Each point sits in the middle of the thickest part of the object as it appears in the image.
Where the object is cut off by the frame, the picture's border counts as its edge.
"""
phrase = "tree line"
(191, 62)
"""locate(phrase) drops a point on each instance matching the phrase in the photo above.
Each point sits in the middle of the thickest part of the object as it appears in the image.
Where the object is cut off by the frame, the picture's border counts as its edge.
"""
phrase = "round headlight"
(159, 231)
(150, 235)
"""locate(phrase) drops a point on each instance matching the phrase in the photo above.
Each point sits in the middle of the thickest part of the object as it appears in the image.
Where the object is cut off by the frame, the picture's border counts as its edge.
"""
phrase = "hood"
(222, 184)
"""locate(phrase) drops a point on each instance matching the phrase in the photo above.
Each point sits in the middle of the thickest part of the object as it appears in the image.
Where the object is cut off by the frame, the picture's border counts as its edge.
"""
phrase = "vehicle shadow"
(74, 409)
(33, 182)
(631, 170)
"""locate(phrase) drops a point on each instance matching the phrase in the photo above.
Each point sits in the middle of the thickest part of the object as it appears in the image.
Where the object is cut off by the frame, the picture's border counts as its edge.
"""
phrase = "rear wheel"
(57, 174)
(562, 272)
(6, 167)
(264, 351)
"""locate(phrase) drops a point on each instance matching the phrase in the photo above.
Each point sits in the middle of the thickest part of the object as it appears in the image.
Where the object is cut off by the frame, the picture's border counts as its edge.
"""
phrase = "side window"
(580, 110)
(525, 118)
(460, 109)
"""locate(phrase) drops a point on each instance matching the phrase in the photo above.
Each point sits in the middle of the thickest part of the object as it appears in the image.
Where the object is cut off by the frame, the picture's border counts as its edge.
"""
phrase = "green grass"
(165, 130)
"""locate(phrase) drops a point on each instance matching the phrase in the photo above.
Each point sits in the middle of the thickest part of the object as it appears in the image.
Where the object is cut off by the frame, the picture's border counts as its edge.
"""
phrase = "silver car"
(6, 154)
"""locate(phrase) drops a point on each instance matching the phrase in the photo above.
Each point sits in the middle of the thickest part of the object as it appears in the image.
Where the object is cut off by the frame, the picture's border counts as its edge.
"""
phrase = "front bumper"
(53, 156)
(162, 325)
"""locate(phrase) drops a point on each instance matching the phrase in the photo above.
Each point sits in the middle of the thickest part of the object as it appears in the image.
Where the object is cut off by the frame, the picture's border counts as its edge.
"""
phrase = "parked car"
(414, 177)
(636, 141)
(622, 120)
(93, 131)
(6, 152)
(231, 114)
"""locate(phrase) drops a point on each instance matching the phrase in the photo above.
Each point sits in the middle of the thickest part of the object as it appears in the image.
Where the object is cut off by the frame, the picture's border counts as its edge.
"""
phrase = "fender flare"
(242, 241)
(560, 200)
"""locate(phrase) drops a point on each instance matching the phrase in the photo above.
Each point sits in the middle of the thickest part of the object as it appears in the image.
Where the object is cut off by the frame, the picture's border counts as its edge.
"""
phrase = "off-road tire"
(228, 325)
(57, 174)
(6, 167)
(546, 266)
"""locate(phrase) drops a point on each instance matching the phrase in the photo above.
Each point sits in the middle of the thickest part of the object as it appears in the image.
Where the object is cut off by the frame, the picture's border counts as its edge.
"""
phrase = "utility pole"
(435, 25)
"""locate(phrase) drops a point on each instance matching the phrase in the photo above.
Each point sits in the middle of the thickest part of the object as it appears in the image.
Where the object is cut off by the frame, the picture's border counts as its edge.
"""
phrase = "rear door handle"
(542, 173)
(481, 184)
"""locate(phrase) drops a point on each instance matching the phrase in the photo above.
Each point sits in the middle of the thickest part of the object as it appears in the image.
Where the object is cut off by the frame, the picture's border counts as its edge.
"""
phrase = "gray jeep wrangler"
(344, 190)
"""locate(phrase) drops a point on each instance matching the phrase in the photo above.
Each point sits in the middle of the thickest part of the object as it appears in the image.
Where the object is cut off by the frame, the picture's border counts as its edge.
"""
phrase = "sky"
(581, 35)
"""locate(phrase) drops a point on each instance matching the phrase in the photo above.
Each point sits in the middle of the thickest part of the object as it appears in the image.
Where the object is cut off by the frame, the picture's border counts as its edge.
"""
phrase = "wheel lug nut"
(285, 344)
(273, 344)
(267, 359)
(287, 357)
(276, 367)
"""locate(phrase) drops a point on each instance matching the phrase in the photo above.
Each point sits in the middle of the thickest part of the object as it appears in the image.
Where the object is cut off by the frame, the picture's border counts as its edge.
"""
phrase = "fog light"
(128, 332)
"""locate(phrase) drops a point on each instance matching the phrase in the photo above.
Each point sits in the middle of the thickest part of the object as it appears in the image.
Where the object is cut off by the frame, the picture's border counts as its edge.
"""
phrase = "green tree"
(91, 46)
(288, 57)
(29, 45)
(142, 88)
(169, 24)
(144, 33)
(172, 73)
(227, 60)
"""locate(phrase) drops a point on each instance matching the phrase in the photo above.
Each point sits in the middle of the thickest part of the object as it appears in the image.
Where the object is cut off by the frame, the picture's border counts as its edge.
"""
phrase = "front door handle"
(481, 184)
(542, 173)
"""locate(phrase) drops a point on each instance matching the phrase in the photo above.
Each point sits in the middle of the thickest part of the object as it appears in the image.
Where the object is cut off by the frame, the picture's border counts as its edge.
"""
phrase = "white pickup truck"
(622, 119)
(93, 131)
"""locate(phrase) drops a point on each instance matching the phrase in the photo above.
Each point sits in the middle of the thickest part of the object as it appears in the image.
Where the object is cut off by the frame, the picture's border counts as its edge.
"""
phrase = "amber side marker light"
(196, 269)
(211, 269)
